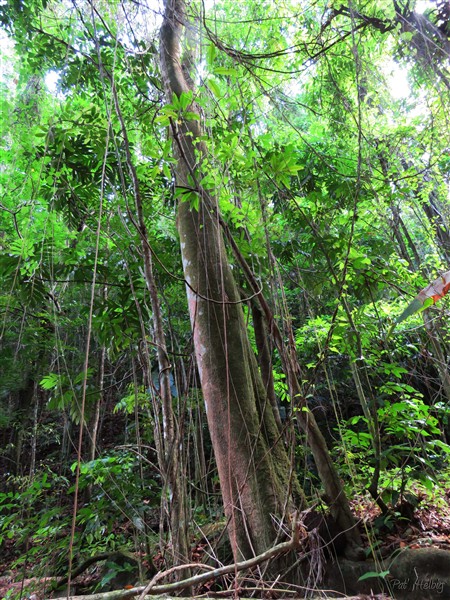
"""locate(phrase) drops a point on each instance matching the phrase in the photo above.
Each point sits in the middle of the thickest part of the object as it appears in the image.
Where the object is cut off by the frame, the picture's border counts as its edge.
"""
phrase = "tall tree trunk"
(36, 407)
(334, 491)
(265, 359)
(173, 497)
(395, 224)
(26, 399)
(439, 358)
(94, 421)
(438, 223)
(253, 466)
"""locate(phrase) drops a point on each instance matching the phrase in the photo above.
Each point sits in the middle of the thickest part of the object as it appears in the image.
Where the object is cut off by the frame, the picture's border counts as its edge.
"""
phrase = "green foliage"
(176, 112)
(115, 494)
(65, 392)
(28, 520)
(35, 512)
(336, 193)
(281, 387)
(408, 426)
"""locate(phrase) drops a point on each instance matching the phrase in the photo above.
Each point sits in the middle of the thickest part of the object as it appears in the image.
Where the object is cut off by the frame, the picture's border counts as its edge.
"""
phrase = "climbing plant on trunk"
(253, 466)
(256, 479)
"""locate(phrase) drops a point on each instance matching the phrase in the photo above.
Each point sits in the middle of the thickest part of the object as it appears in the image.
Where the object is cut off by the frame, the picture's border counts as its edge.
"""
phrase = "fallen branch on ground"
(153, 590)
(320, 597)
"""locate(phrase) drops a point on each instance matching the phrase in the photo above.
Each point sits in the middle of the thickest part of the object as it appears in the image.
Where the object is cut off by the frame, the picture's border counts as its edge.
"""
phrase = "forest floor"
(426, 526)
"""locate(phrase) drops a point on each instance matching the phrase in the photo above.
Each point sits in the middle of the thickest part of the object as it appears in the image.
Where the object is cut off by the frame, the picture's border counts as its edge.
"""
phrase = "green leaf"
(22, 247)
(372, 574)
(192, 116)
(183, 101)
(50, 381)
(211, 53)
(230, 71)
(214, 87)
(440, 444)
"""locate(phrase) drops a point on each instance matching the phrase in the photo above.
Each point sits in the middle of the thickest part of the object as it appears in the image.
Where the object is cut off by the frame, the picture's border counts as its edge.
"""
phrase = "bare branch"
(277, 550)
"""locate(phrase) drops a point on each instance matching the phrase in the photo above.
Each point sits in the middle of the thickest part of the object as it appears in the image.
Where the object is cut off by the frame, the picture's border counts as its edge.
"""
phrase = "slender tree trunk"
(395, 225)
(94, 420)
(253, 465)
(265, 359)
(438, 223)
(35, 429)
(173, 495)
(25, 403)
(411, 243)
(174, 492)
(439, 355)
(95, 417)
